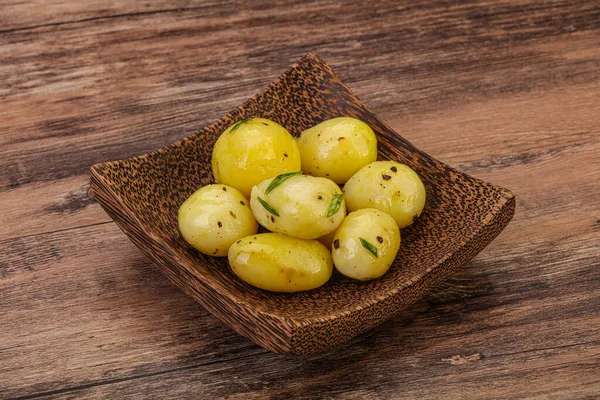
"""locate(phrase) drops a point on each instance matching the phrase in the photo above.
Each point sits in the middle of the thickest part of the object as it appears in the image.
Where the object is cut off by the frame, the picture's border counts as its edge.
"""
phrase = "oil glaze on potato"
(337, 148)
(214, 217)
(388, 186)
(280, 263)
(251, 151)
(302, 206)
(365, 245)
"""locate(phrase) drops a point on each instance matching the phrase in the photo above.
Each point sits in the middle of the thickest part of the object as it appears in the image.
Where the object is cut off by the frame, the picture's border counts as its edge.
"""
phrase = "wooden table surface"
(508, 91)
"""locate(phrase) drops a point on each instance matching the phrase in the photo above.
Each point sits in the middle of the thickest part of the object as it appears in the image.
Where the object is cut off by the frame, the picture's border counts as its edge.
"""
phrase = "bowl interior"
(151, 188)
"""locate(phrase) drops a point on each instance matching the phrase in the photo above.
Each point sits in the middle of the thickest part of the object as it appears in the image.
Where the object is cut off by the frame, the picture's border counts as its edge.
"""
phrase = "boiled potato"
(280, 263)
(251, 151)
(388, 186)
(337, 148)
(365, 245)
(214, 217)
(300, 206)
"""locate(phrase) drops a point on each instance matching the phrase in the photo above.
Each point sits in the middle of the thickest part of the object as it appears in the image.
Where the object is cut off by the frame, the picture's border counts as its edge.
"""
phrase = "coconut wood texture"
(143, 195)
(506, 91)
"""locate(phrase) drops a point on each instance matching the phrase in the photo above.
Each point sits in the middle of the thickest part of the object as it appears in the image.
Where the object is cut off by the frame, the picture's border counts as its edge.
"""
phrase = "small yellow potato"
(214, 217)
(337, 148)
(365, 245)
(388, 186)
(297, 205)
(280, 263)
(251, 151)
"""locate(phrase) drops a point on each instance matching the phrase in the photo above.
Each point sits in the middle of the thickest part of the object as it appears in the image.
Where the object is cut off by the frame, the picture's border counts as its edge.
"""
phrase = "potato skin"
(351, 258)
(257, 149)
(280, 263)
(337, 148)
(215, 217)
(302, 203)
(388, 186)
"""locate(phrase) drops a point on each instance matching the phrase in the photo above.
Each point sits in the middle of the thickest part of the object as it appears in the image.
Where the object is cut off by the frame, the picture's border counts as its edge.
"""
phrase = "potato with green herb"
(251, 151)
(214, 217)
(388, 186)
(280, 263)
(365, 245)
(298, 205)
(337, 148)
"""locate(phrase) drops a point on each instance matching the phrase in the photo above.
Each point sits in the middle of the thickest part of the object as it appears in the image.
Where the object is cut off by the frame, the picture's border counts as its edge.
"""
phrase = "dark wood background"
(508, 91)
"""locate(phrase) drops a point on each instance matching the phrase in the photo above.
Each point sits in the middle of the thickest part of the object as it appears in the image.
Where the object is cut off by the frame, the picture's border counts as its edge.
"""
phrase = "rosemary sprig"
(236, 126)
(268, 207)
(335, 204)
(279, 179)
(372, 249)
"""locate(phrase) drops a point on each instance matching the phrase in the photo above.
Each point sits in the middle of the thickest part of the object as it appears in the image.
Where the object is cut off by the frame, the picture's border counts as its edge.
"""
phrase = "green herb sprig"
(268, 207)
(335, 204)
(236, 126)
(372, 249)
(279, 179)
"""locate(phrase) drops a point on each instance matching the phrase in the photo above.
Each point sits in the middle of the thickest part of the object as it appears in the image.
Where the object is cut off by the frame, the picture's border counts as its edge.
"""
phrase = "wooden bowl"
(143, 194)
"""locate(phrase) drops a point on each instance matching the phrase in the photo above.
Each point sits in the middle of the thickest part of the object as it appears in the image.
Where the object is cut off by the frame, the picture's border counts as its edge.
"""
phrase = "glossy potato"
(301, 206)
(214, 217)
(251, 151)
(337, 148)
(388, 186)
(280, 263)
(365, 245)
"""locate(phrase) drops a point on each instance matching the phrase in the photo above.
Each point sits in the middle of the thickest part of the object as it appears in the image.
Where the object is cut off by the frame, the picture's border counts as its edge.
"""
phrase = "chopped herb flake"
(335, 204)
(268, 207)
(279, 179)
(372, 249)
(236, 126)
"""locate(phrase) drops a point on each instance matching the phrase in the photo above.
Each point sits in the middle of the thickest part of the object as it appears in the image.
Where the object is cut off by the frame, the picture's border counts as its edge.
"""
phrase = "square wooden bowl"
(143, 194)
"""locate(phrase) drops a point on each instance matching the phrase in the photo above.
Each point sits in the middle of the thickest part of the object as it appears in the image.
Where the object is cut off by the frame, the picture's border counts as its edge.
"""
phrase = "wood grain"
(508, 91)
